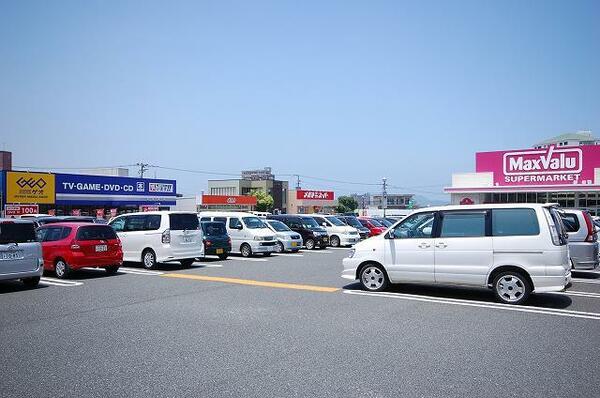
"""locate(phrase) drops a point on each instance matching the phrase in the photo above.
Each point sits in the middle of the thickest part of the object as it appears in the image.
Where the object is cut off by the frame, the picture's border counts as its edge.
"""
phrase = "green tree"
(346, 204)
(264, 201)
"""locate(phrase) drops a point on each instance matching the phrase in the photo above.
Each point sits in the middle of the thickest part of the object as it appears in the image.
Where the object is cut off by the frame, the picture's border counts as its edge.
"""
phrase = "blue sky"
(345, 90)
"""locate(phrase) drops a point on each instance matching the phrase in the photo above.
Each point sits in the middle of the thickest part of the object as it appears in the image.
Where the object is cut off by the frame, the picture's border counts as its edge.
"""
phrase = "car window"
(416, 226)
(570, 221)
(118, 224)
(234, 223)
(214, 229)
(514, 222)
(182, 222)
(335, 221)
(53, 234)
(205, 219)
(17, 232)
(320, 220)
(294, 223)
(221, 219)
(375, 223)
(135, 223)
(96, 232)
(253, 222)
(66, 231)
(463, 225)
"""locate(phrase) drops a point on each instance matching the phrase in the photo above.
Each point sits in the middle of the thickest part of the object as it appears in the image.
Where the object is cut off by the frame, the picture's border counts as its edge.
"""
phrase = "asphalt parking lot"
(288, 325)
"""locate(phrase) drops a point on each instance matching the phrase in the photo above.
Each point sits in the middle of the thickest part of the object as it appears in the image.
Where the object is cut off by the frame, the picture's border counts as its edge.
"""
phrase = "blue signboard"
(113, 191)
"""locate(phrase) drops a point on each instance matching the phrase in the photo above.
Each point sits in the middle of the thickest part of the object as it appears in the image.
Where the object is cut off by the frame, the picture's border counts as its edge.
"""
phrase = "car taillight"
(207, 242)
(166, 236)
(591, 231)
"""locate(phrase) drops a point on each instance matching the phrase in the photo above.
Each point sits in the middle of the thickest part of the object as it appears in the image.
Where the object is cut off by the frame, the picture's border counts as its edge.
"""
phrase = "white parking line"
(339, 248)
(317, 251)
(247, 259)
(480, 304)
(578, 294)
(59, 282)
(137, 271)
(207, 265)
(289, 255)
(580, 280)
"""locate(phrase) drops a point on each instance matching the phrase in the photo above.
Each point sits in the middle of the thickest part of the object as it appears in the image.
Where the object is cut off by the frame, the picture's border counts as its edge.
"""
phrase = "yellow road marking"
(251, 282)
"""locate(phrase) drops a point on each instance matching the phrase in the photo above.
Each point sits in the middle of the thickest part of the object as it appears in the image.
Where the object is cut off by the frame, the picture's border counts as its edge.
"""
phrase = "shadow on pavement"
(15, 286)
(591, 274)
(543, 300)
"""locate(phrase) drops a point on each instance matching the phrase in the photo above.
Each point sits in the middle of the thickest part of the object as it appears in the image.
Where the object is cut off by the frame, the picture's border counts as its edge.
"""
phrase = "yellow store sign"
(25, 187)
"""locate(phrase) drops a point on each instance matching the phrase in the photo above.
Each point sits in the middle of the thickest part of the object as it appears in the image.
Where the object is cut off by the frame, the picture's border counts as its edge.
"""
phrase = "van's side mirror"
(391, 234)
(324, 224)
(238, 226)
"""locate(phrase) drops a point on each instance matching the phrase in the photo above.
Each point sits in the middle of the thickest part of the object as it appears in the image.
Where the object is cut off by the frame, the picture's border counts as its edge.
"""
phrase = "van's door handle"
(424, 245)
(441, 245)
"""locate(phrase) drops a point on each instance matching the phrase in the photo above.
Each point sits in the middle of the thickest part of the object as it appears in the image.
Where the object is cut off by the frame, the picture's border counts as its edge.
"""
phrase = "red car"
(70, 246)
(375, 227)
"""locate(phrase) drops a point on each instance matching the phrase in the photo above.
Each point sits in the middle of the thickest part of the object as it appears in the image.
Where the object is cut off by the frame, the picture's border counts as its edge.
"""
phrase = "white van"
(248, 233)
(515, 249)
(339, 233)
(158, 236)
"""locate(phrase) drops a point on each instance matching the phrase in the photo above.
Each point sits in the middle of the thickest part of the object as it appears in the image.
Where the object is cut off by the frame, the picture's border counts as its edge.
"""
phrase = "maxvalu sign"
(547, 166)
(75, 188)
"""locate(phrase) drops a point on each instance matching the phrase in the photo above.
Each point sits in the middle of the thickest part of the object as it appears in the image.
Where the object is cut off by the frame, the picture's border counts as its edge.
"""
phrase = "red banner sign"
(314, 195)
(20, 210)
(52, 212)
(148, 208)
(228, 200)
(99, 213)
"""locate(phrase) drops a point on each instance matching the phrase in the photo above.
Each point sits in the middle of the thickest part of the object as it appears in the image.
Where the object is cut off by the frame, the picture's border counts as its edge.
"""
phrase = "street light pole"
(384, 196)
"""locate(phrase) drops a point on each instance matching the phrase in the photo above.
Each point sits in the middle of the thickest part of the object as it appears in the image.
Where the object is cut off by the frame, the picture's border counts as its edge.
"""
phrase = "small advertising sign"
(76, 212)
(148, 208)
(20, 210)
(99, 213)
(229, 200)
(314, 195)
(113, 212)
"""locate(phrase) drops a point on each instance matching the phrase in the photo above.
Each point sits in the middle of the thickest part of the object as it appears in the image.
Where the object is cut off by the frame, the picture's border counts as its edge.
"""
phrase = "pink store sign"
(547, 166)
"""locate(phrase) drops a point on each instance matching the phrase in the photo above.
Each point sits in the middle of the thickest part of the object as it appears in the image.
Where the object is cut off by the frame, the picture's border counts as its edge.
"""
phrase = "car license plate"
(219, 251)
(101, 248)
(294, 244)
(187, 239)
(17, 255)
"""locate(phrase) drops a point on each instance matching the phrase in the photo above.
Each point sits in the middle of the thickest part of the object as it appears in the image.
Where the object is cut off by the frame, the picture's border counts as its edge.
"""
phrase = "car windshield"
(375, 223)
(11, 232)
(335, 221)
(183, 221)
(213, 228)
(253, 222)
(353, 221)
(309, 222)
(278, 226)
(384, 222)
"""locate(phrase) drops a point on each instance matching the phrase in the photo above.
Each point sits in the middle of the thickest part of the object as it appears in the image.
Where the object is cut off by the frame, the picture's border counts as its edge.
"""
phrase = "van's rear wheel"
(31, 282)
(246, 250)
(373, 278)
(334, 241)
(149, 259)
(310, 244)
(61, 269)
(511, 287)
(187, 262)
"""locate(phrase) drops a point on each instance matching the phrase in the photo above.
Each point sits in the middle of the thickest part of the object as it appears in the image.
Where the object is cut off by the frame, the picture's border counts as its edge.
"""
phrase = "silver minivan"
(20, 252)
(583, 240)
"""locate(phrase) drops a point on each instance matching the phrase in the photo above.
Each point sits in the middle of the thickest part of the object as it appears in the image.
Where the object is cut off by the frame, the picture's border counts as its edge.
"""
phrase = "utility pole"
(384, 195)
(143, 168)
(297, 181)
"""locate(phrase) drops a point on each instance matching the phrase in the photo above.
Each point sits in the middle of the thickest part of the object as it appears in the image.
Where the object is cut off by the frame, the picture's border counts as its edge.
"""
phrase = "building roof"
(577, 136)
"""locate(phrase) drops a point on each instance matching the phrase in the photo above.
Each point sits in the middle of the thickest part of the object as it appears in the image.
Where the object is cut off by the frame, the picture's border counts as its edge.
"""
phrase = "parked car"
(312, 234)
(215, 239)
(158, 236)
(515, 249)
(70, 246)
(339, 233)
(375, 228)
(249, 234)
(20, 252)
(354, 223)
(287, 240)
(583, 239)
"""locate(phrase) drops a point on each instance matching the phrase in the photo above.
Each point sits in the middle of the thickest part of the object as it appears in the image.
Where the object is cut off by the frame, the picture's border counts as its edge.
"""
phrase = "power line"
(72, 168)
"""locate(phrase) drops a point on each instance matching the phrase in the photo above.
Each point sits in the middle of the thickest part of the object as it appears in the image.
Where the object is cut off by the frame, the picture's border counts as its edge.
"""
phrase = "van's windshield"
(335, 221)
(278, 226)
(253, 223)
(353, 222)
(309, 223)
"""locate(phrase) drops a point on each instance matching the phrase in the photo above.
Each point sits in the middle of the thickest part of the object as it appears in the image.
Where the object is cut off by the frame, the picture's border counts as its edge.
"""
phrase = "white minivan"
(248, 233)
(158, 236)
(339, 233)
(515, 249)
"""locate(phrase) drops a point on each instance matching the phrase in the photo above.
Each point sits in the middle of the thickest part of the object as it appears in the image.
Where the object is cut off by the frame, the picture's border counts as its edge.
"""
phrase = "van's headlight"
(352, 252)
(259, 238)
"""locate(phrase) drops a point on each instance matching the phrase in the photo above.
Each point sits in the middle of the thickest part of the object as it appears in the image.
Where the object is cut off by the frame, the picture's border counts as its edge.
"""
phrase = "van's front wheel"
(511, 287)
(246, 250)
(373, 278)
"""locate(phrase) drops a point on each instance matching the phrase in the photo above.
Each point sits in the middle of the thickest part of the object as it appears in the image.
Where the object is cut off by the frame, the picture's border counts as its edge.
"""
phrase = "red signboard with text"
(228, 200)
(303, 194)
(20, 210)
